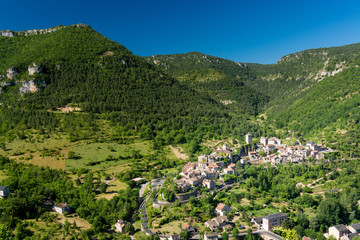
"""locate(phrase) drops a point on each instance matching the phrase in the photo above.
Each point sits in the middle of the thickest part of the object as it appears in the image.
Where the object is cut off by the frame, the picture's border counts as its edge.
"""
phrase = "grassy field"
(99, 152)
(39, 151)
(80, 222)
(113, 188)
(169, 228)
(52, 228)
(53, 152)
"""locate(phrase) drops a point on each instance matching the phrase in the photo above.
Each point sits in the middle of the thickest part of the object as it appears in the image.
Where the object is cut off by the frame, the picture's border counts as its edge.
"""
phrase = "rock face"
(11, 72)
(6, 33)
(9, 33)
(34, 68)
(30, 86)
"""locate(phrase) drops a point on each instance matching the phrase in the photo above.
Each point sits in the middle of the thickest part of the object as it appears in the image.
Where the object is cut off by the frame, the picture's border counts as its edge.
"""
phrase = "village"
(221, 163)
(216, 172)
(272, 150)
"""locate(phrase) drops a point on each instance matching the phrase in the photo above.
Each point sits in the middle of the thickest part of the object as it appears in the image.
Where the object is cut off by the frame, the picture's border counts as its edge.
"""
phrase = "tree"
(235, 232)
(103, 187)
(330, 212)
(225, 236)
(4, 232)
(249, 235)
(129, 228)
(185, 234)
(289, 234)
(20, 232)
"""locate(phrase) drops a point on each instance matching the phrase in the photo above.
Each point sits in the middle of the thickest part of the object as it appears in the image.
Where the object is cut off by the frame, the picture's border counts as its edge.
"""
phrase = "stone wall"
(185, 196)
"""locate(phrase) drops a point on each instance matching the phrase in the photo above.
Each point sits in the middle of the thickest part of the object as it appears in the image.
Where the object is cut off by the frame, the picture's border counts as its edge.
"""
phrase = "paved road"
(142, 189)
(260, 232)
(156, 183)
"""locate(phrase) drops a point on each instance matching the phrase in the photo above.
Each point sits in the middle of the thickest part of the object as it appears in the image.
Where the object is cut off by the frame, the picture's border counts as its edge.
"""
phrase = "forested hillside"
(290, 78)
(228, 82)
(83, 69)
(309, 94)
(316, 95)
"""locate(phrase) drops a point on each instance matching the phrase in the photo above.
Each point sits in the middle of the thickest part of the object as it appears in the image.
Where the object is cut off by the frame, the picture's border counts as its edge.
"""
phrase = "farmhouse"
(61, 208)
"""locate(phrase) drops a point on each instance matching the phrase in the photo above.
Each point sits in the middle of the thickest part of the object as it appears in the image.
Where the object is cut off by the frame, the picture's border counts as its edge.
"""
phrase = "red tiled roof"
(220, 206)
(185, 226)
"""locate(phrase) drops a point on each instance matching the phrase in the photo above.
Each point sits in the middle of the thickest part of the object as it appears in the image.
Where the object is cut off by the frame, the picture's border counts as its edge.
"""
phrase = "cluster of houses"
(206, 170)
(275, 152)
(343, 232)
(221, 221)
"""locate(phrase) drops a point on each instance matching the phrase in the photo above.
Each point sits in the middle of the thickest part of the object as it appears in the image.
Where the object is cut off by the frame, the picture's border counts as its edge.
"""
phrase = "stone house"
(191, 166)
(232, 165)
(273, 220)
(248, 138)
(252, 156)
(61, 208)
(187, 227)
(355, 228)
(194, 182)
(214, 167)
(274, 141)
(120, 226)
(183, 185)
(217, 223)
(338, 231)
(222, 209)
(264, 141)
(209, 174)
(210, 184)
(229, 171)
(268, 148)
(275, 160)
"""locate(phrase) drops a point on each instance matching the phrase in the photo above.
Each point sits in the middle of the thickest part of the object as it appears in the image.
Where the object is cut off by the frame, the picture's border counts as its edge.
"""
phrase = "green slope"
(311, 94)
(226, 81)
(85, 69)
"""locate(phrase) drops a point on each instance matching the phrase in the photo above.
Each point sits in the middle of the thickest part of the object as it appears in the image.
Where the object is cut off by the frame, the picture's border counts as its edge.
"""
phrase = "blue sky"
(244, 31)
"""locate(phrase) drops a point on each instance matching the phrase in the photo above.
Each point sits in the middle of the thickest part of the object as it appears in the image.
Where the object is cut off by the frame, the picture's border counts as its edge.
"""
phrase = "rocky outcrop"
(9, 33)
(6, 33)
(11, 72)
(30, 86)
(34, 68)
